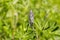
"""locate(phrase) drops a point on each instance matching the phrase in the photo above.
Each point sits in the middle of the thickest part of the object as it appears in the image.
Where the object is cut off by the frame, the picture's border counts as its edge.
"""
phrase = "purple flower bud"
(31, 18)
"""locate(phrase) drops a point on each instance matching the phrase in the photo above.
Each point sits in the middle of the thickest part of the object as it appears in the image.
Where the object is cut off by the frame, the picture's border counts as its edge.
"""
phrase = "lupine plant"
(29, 19)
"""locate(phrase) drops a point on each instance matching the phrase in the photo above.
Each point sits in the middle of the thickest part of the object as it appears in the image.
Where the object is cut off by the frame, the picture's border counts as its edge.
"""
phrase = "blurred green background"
(14, 20)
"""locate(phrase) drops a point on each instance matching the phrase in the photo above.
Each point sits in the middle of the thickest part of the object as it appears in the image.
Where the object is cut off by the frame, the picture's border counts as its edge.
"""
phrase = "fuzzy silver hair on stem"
(31, 18)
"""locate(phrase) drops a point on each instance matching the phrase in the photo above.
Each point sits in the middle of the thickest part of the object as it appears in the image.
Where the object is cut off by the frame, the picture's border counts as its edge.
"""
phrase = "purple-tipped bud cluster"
(31, 18)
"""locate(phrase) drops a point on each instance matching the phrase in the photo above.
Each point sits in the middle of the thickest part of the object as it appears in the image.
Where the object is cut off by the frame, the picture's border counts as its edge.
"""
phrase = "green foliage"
(14, 20)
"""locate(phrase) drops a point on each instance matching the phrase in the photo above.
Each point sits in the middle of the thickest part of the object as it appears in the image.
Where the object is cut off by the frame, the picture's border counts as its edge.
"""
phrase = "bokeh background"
(14, 20)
